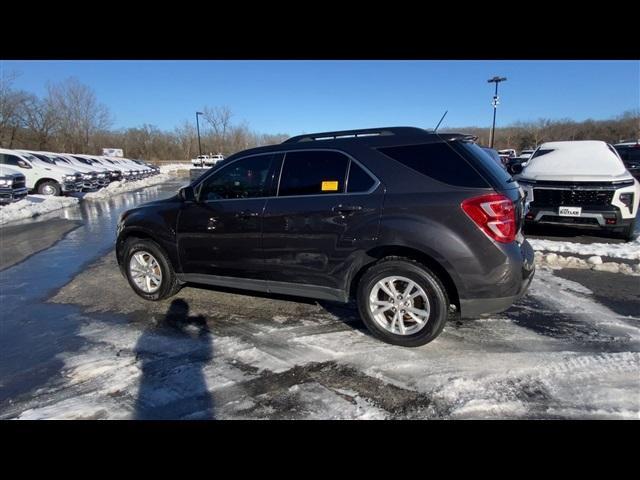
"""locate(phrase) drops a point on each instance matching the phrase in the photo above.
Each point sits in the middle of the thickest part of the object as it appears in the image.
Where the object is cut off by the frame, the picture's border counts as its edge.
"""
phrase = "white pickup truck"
(206, 160)
(40, 176)
(12, 185)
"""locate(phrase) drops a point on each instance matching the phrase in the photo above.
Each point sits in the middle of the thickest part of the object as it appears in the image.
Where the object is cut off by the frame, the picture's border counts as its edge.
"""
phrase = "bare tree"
(79, 115)
(39, 119)
(186, 136)
(11, 105)
(220, 120)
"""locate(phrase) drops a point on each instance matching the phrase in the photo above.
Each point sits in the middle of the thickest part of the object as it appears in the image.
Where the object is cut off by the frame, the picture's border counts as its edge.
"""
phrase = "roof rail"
(367, 132)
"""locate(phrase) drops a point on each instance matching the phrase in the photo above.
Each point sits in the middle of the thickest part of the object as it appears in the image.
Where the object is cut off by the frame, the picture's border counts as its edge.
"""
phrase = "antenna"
(445, 114)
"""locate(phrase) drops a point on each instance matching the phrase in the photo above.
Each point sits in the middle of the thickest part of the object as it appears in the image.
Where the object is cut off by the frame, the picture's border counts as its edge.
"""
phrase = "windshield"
(44, 158)
(28, 156)
(83, 160)
(541, 151)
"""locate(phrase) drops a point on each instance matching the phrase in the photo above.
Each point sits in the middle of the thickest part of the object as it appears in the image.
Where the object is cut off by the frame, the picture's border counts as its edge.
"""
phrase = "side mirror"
(187, 194)
(515, 168)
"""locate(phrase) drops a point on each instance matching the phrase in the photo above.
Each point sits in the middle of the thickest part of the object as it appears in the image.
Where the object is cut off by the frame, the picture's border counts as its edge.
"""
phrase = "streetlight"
(198, 126)
(495, 80)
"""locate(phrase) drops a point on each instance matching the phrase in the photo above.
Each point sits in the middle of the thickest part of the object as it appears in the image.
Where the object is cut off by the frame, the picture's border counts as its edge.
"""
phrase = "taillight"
(495, 214)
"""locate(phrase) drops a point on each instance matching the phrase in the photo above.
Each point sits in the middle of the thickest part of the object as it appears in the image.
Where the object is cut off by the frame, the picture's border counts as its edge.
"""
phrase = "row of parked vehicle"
(583, 184)
(48, 173)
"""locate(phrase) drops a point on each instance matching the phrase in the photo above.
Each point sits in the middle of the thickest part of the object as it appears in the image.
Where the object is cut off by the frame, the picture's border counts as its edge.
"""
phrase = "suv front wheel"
(149, 270)
(402, 302)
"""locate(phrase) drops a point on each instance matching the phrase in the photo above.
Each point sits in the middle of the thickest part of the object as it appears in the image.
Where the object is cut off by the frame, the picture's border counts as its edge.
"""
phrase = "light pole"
(198, 127)
(495, 80)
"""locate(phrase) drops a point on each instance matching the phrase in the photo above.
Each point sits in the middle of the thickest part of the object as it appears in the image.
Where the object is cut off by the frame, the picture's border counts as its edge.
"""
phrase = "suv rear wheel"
(402, 302)
(149, 270)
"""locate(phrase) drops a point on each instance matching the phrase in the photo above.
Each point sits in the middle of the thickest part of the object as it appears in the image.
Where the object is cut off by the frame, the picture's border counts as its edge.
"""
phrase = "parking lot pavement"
(19, 242)
(211, 353)
(78, 343)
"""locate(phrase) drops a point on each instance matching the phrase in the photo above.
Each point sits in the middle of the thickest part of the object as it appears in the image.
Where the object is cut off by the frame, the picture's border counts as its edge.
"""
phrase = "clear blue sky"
(305, 96)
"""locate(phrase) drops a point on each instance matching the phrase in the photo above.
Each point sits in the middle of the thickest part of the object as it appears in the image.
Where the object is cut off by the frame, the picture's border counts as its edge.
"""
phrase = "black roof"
(366, 132)
(374, 137)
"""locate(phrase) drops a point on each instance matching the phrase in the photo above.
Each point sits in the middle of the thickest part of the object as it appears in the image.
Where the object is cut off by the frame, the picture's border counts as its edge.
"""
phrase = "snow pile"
(174, 167)
(595, 262)
(629, 250)
(115, 188)
(34, 205)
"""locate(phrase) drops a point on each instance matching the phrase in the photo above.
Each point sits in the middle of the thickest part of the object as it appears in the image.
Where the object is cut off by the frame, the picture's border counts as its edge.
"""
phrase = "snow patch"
(629, 250)
(114, 188)
(34, 205)
(174, 167)
(557, 262)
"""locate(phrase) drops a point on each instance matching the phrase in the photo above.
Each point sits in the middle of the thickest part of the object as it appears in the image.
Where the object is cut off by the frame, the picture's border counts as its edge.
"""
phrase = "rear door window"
(313, 173)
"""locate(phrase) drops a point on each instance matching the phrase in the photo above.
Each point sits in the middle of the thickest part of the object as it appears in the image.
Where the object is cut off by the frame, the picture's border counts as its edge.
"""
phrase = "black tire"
(430, 283)
(169, 285)
(629, 233)
(48, 185)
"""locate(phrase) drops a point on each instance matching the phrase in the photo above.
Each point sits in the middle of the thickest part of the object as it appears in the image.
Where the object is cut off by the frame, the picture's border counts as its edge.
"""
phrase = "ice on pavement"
(495, 367)
(174, 167)
(32, 206)
(115, 188)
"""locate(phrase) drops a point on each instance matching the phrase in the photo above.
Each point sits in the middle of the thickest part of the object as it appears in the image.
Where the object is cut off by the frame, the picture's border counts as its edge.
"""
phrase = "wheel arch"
(134, 232)
(40, 181)
(427, 260)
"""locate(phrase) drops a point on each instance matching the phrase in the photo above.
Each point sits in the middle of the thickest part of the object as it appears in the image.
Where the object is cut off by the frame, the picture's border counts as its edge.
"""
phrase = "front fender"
(157, 223)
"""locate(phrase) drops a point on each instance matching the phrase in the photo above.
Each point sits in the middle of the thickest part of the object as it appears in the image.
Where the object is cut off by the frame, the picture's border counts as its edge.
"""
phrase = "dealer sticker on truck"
(569, 211)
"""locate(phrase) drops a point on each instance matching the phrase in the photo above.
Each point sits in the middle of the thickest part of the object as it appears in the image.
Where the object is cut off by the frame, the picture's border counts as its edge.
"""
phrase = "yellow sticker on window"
(330, 186)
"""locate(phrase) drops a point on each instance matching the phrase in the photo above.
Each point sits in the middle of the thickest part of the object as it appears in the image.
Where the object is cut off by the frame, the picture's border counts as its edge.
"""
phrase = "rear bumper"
(521, 267)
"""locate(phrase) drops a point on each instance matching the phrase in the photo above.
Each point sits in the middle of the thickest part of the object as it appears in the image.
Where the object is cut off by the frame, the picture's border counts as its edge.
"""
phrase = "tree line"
(524, 135)
(69, 118)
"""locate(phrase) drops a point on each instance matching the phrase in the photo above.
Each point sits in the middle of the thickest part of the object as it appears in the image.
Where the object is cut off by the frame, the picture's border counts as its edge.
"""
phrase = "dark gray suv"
(413, 225)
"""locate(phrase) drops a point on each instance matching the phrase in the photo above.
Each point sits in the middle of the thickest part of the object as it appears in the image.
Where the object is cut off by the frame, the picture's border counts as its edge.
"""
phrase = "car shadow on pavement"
(172, 356)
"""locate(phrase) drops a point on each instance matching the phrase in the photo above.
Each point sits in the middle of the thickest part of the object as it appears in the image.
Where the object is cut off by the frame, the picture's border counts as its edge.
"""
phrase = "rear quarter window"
(438, 161)
(359, 181)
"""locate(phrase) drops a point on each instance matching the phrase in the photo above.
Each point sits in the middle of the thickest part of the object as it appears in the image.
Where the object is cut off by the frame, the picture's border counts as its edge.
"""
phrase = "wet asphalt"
(76, 342)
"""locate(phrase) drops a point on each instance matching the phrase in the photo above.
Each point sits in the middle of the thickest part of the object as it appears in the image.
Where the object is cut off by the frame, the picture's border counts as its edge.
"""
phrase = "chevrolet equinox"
(412, 224)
